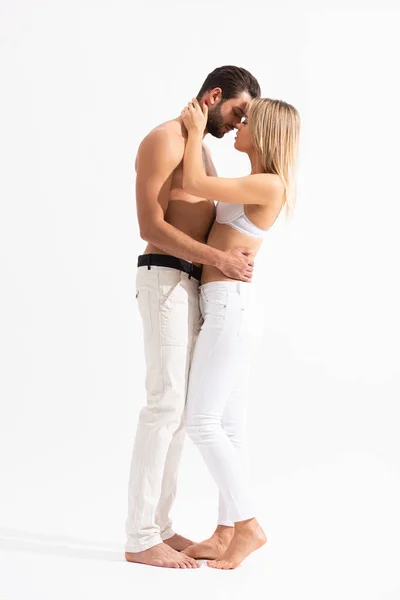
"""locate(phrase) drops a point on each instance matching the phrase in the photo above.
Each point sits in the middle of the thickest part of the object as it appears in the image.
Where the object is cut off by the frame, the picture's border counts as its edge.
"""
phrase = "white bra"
(235, 216)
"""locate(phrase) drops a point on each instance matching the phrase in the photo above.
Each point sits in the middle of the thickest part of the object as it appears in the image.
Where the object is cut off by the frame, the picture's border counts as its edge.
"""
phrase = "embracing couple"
(199, 312)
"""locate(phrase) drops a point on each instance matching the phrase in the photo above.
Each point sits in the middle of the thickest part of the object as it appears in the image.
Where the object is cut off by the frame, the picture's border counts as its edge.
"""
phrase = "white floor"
(332, 533)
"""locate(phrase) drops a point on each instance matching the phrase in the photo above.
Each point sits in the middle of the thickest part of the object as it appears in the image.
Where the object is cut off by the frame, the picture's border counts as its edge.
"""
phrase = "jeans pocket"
(167, 293)
(213, 301)
(143, 300)
(213, 313)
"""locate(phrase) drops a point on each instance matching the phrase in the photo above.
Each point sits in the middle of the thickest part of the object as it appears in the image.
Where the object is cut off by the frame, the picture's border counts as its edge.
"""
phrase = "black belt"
(165, 260)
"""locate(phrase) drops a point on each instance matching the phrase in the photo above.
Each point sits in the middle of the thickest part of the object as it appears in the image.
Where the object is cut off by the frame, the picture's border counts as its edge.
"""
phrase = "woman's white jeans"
(215, 415)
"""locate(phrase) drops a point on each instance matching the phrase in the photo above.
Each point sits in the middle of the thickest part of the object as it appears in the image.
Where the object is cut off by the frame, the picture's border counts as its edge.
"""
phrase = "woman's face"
(242, 139)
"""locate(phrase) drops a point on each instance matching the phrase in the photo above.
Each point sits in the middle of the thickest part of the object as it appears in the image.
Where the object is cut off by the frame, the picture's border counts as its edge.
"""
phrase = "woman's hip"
(231, 308)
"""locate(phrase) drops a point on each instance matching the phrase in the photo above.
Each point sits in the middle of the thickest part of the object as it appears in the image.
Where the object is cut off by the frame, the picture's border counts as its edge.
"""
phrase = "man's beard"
(215, 122)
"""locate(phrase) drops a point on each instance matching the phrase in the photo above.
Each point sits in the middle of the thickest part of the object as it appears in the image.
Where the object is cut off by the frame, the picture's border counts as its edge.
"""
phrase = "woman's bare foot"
(162, 555)
(248, 537)
(178, 542)
(213, 547)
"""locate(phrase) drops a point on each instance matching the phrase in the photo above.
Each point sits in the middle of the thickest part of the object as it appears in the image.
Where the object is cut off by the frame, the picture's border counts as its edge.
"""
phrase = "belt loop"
(149, 262)
(191, 270)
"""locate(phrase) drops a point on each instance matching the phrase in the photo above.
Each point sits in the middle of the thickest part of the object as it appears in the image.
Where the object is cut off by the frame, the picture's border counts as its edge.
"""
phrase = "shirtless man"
(175, 226)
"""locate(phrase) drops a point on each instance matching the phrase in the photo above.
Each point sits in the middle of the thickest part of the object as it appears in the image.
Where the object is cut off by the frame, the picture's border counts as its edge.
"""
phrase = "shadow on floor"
(59, 545)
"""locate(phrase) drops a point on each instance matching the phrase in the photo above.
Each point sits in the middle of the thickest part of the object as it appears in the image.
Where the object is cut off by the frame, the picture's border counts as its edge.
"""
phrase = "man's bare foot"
(213, 547)
(178, 542)
(162, 555)
(248, 537)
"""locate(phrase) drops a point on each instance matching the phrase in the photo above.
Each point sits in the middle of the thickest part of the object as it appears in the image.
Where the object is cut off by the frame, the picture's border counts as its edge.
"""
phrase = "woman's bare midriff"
(223, 237)
(197, 220)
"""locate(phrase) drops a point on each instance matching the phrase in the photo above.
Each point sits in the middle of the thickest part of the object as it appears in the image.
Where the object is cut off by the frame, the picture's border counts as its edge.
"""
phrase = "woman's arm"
(262, 188)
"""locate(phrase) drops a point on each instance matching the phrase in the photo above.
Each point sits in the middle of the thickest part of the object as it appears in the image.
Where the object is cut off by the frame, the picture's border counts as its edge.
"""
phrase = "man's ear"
(215, 96)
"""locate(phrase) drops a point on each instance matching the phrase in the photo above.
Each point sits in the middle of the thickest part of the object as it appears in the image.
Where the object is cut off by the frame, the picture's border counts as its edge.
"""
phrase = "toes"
(192, 562)
(186, 564)
(174, 565)
(229, 565)
(188, 559)
(217, 563)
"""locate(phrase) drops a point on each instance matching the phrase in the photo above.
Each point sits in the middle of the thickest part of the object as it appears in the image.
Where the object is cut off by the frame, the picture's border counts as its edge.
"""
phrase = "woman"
(215, 410)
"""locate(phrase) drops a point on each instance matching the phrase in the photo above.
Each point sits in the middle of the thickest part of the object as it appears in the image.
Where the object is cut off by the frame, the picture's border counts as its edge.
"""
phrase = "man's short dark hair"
(232, 81)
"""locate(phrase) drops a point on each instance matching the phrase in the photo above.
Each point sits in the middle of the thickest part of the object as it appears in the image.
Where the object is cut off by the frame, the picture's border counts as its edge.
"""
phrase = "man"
(175, 226)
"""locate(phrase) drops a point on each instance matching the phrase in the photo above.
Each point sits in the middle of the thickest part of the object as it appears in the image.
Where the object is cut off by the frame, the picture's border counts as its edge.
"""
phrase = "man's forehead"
(242, 107)
(243, 102)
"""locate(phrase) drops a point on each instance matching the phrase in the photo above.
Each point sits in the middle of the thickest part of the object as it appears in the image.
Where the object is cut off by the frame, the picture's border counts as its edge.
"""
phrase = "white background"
(81, 84)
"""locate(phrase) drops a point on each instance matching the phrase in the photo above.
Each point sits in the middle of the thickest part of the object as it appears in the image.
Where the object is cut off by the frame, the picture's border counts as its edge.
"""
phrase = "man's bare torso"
(190, 214)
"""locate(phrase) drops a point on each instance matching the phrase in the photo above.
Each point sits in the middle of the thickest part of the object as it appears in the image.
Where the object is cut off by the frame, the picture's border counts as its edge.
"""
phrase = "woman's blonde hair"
(274, 128)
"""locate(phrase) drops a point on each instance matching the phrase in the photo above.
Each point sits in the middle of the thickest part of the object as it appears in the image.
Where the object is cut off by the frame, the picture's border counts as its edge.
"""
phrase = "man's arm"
(158, 156)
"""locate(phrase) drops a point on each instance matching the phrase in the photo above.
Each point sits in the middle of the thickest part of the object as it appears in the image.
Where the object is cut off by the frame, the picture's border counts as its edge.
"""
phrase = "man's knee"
(168, 414)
